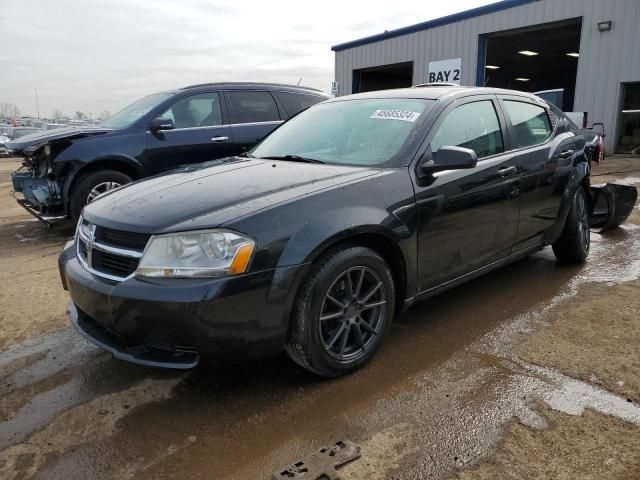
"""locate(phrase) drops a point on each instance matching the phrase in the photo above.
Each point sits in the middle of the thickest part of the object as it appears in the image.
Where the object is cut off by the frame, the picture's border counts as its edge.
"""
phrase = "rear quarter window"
(294, 103)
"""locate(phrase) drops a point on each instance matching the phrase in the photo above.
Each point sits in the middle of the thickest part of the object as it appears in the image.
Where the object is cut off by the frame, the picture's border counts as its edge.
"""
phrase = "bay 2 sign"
(449, 71)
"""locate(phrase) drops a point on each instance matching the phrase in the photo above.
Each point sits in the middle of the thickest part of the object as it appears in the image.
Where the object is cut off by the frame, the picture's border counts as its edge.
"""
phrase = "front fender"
(79, 168)
(579, 177)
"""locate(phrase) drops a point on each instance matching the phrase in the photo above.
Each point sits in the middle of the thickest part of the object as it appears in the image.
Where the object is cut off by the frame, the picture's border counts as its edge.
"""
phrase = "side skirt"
(514, 257)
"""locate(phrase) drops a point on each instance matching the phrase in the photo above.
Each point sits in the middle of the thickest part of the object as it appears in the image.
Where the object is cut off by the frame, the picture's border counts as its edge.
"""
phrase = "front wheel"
(343, 311)
(574, 241)
(92, 186)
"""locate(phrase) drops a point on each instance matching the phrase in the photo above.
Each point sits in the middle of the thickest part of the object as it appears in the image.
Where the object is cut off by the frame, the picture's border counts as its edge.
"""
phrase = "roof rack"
(264, 84)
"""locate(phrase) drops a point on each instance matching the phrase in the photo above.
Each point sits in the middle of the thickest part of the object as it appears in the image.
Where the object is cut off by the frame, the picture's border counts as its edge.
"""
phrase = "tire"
(81, 192)
(353, 326)
(572, 246)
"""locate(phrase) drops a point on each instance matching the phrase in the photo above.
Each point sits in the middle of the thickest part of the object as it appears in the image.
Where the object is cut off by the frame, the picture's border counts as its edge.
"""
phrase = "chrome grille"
(109, 253)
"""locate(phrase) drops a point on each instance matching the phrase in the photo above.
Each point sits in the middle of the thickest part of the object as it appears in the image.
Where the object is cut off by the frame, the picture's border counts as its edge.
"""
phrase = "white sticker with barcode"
(404, 115)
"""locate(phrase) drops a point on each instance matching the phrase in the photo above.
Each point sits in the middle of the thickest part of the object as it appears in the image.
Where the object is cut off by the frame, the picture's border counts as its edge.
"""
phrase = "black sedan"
(338, 220)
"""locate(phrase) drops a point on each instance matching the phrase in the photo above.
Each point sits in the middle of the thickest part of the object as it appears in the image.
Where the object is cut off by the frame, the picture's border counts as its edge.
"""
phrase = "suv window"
(296, 102)
(202, 110)
(248, 107)
(531, 125)
(472, 125)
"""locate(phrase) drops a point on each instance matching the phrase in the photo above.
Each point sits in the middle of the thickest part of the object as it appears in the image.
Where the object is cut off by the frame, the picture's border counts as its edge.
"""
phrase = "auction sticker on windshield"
(404, 115)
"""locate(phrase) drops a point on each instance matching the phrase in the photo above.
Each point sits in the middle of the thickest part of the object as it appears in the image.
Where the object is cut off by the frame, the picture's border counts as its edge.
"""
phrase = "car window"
(296, 102)
(202, 110)
(248, 107)
(21, 132)
(531, 125)
(350, 132)
(472, 125)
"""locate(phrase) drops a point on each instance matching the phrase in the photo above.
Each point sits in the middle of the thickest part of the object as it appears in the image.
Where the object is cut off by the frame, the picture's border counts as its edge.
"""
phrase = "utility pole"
(37, 106)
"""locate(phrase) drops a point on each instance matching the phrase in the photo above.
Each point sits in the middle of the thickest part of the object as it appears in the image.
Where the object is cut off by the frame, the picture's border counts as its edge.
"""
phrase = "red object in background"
(599, 150)
(14, 123)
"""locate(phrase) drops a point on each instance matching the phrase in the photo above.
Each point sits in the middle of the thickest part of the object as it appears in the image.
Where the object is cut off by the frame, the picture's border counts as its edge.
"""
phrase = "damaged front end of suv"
(40, 185)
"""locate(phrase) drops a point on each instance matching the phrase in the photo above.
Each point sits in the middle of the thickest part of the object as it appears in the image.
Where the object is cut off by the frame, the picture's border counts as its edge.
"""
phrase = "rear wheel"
(574, 241)
(92, 186)
(343, 311)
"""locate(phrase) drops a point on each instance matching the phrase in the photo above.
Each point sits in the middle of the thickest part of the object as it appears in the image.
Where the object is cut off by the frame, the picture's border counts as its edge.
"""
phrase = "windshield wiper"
(246, 155)
(293, 158)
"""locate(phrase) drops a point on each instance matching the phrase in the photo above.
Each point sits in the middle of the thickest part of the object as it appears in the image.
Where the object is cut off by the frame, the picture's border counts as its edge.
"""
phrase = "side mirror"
(447, 158)
(160, 123)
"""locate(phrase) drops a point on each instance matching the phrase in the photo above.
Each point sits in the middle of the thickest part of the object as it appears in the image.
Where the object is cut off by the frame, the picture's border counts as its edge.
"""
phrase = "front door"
(467, 218)
(200, 134)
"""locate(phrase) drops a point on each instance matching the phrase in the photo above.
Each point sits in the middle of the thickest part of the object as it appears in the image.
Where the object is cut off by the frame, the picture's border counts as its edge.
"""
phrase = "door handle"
(506, 171)
(566, 153)
(219, 139)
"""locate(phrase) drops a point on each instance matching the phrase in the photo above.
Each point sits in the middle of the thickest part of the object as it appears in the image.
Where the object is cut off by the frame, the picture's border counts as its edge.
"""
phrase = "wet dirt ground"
(532, 371)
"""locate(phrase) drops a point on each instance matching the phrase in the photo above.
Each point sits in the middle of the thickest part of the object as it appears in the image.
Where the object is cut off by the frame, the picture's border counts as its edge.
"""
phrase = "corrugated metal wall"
(606, 58)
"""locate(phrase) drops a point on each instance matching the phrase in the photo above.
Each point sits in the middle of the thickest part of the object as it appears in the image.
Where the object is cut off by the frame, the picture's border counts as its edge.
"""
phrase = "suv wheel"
(573, 244)
(343, 311)
(92, 186)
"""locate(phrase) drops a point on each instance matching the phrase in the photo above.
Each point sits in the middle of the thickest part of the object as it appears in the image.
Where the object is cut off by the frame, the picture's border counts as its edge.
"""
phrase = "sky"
(94, 55)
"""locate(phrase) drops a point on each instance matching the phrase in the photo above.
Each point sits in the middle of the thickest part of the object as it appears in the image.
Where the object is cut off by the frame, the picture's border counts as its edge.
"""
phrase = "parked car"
(40, 124)
(344, 216)
(71, 166)
(8, 134)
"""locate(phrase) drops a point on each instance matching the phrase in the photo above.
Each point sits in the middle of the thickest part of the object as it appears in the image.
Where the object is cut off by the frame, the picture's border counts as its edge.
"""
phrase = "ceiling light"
(492, 67)
(528, 53)
(573, 54)
(522, 79)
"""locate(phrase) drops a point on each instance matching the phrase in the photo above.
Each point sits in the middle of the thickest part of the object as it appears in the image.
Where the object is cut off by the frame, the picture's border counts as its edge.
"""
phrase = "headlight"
(210, 253)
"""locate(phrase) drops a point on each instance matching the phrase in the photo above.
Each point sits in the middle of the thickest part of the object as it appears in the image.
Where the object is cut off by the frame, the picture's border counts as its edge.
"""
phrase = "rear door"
(467, 218)
(544, 154)
(254, 114)
(201, 133)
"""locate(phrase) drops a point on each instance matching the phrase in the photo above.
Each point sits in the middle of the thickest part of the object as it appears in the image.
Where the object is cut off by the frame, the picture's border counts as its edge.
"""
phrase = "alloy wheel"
(101, 188)
(352, 314)
(583, 220)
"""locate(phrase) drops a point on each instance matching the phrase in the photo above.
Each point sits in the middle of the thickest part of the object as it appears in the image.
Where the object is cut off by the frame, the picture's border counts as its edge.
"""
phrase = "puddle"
(572, 396)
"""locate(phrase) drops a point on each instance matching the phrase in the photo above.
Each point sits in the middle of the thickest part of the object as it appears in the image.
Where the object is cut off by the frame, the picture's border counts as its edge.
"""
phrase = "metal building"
(586, 51)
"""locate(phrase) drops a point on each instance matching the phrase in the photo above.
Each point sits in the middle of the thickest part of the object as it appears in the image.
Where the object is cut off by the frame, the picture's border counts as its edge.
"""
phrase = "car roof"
(439, 92)
(253, 85)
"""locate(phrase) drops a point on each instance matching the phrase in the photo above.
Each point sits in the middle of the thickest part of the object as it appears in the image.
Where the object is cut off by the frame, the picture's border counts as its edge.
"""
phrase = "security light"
(491, 67)
(573, 54)
(528, 53)
(522, 79)
(604, 26)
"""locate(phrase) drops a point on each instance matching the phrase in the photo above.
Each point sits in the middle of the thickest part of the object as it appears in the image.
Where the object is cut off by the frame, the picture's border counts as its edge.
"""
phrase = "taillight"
(599, 150)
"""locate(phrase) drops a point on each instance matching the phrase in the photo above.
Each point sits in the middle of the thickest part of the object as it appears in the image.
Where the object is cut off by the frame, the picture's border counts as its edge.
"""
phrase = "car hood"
(207, 197)
(45, 136)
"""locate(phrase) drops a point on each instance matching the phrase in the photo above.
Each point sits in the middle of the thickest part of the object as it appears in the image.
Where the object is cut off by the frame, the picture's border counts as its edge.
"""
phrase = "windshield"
(352, 132)
(133, 112)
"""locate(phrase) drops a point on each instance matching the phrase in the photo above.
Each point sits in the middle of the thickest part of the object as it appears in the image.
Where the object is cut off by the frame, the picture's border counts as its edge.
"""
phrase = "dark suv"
(69, 167)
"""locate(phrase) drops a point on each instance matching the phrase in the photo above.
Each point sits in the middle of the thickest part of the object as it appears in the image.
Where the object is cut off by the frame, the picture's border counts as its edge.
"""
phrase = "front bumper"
(175, 323)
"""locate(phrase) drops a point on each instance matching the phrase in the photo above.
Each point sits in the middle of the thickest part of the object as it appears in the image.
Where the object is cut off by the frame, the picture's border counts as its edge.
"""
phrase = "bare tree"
(9, 110)
(104, 115)
(79, 115)
(57, 115)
